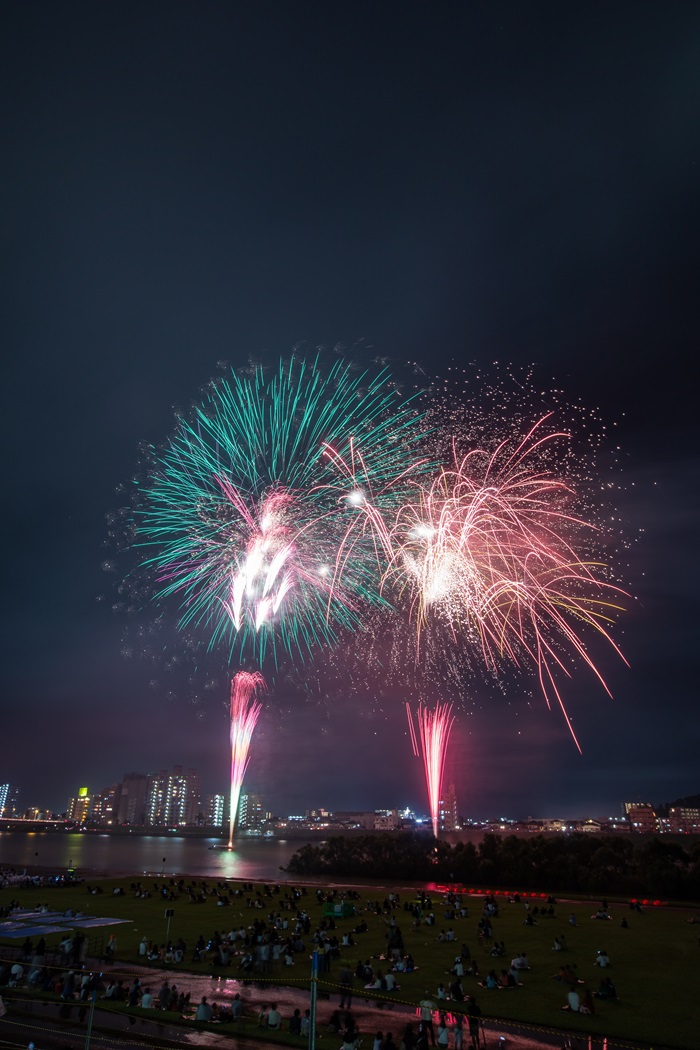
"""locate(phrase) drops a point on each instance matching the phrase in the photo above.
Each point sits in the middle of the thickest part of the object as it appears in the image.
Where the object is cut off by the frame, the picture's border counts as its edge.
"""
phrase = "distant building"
(591, 826)
(354, 819)
(9, 800)
(386, 820)
(448, 817)
(213, 809)
(251, 812)
(133, 797)
(79, 807)
(684, 820)
(105, 806)
(173, 798)
(540, 825)
(642, 817)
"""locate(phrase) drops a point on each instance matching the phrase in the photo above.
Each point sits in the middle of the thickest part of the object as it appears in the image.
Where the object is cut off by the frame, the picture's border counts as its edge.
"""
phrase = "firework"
(494, 550)
(250, 524)
(245, 711)
(434, 730)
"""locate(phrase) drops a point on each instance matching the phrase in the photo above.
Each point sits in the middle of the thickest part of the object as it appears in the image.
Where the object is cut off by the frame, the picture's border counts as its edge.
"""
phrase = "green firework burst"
(262, 515)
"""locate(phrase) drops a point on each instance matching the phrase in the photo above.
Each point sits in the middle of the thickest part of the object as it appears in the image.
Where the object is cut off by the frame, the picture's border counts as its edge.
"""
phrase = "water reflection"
(96, 853)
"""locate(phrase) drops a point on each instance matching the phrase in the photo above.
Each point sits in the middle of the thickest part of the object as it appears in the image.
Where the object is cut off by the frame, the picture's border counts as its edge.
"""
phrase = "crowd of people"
(280, 930)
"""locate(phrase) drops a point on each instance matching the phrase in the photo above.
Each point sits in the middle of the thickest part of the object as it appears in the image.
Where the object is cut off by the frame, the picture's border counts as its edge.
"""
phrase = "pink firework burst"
(245, 711)
(494, 550)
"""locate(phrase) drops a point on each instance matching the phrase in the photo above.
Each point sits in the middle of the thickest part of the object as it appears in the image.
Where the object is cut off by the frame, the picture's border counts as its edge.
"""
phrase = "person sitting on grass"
(587, 1005)
(16, 975)
(351, 1035)
(274, 1018)
(606, 990)
(204, 1010)
(457, 991)
(573, 1000)
(566, 974)
(236, 1007)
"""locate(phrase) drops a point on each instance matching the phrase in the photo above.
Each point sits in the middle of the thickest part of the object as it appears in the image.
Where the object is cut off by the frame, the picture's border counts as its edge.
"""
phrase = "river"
(96, 854)
(100, 854)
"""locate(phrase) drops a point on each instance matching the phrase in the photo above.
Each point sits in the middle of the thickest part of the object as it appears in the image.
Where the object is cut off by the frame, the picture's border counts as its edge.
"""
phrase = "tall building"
(448, 817)
(213, 810)
(642, 817)
(105, 806)
(251, 813)
(9, 800)
(79, 807)
(173, 798)
(133, 798)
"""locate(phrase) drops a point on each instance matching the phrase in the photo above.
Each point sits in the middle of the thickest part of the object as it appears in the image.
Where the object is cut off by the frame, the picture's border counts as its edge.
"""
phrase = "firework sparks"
(251, 525)
(492, 549)
(434, 728)
(245, 711)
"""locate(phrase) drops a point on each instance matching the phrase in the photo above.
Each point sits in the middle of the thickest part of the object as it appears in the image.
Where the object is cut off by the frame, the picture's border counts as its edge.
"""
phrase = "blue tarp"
(38, 924)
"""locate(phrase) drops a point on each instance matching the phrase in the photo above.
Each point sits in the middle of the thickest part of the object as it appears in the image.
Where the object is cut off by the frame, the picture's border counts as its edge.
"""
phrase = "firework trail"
(245, 711)
(434, 728)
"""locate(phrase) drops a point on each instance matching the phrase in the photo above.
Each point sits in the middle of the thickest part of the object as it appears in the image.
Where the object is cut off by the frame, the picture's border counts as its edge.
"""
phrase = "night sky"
(189, 183)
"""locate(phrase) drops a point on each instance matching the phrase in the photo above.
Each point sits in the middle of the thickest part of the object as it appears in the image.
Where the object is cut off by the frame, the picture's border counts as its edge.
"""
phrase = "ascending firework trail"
(435, 728)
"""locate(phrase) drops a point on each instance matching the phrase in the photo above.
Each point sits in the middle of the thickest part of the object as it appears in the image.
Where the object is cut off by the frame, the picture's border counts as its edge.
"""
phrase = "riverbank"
(202, 907)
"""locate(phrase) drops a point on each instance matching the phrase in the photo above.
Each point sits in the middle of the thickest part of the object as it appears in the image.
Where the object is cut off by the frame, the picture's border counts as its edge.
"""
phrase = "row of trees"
(598, 864)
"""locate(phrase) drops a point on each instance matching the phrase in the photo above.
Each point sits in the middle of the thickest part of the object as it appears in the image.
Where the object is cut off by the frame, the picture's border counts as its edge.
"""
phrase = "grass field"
(654, 961)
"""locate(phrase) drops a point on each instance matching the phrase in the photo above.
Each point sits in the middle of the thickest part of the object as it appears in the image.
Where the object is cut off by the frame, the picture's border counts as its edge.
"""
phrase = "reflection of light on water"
(132, 854)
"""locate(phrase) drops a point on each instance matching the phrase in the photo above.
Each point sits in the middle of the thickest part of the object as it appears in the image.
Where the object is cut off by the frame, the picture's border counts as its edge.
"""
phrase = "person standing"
(474, 1015)
(345, 987)
(427, 1007)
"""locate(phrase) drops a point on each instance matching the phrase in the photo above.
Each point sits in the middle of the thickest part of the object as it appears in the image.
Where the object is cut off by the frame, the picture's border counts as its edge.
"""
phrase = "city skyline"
(177, 796)
(434, 190)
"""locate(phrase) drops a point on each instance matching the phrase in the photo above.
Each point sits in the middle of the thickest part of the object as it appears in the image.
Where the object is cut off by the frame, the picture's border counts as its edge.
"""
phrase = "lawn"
(653, 960)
